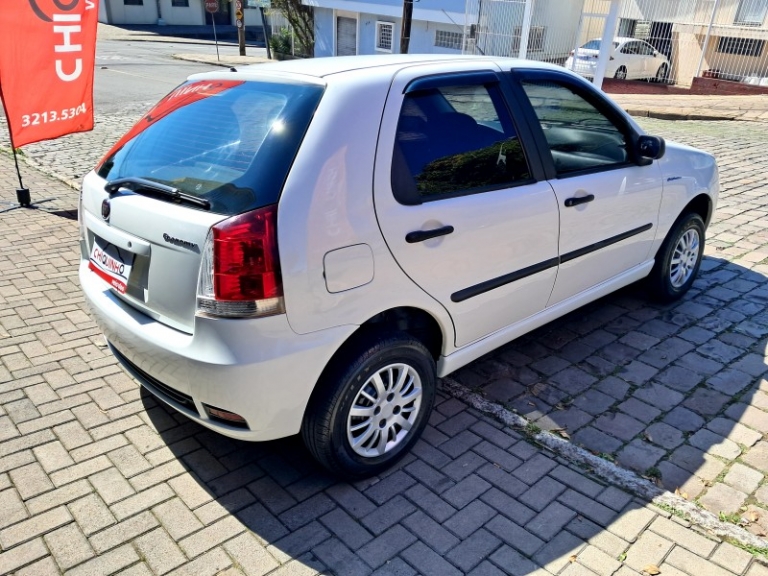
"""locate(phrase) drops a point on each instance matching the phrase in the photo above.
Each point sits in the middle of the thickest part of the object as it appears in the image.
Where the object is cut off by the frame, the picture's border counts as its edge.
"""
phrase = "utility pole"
(405, 33)
(240, 23)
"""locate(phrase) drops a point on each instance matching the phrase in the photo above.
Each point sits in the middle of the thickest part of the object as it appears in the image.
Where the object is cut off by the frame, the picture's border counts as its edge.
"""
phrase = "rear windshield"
(595, 45)
(231, 142)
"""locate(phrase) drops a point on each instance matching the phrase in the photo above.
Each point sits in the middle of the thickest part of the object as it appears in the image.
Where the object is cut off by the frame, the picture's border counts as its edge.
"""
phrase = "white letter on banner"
(67, 45)
(69, 77)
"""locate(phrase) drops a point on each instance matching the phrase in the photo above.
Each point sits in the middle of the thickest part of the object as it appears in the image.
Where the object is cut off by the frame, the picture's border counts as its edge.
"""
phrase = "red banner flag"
(47, 55)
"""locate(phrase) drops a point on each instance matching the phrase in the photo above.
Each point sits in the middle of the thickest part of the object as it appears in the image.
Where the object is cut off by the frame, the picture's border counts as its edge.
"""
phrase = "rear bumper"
(257, 368)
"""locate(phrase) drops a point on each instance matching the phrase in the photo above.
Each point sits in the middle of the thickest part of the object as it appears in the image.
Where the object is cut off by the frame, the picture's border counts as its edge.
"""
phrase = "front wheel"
(621, 73)
(661, 73)
(678, 259)
(371, 406)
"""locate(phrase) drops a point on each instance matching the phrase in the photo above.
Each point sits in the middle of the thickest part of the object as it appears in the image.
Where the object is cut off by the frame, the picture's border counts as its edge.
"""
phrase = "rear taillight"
(240, 269)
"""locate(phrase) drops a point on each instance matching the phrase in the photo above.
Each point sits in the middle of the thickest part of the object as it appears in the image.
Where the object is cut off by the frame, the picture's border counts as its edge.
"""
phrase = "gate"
(723, 39)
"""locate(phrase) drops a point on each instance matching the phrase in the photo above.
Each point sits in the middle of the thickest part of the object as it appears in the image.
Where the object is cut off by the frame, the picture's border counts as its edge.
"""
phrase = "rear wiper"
(139, 185)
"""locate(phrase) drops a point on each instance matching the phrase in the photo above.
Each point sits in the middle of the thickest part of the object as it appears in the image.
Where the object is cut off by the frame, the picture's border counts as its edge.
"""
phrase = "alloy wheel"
(684, 258)
(384, 410)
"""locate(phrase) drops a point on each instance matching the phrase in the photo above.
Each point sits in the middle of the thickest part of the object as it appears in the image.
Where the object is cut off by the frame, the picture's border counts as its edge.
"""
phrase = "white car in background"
(306, 246)
(631, 59)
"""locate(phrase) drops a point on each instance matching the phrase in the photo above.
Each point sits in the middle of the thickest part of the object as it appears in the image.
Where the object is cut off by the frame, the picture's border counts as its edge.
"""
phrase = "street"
(98, 477)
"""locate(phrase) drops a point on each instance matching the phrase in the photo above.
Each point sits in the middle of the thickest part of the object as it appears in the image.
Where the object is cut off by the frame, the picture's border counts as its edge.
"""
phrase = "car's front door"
(462, 206)
(609, 199)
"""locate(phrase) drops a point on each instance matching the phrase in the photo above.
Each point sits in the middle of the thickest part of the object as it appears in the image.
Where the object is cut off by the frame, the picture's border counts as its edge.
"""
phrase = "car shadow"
(665, 390)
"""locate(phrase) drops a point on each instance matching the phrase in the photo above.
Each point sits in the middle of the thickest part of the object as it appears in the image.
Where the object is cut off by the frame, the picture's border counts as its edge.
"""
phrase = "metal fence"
(681, 39)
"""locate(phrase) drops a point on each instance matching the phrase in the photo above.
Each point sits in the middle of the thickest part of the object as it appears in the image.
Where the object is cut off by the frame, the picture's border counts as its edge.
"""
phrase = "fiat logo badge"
(106, 209)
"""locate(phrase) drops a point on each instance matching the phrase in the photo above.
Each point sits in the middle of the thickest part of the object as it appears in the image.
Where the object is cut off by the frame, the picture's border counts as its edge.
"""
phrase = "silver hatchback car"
(307, 246)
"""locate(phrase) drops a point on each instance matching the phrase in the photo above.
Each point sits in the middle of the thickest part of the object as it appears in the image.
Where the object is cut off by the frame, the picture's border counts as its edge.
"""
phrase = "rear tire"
(661, 73)
(678, 259)
(371, 405)
(621, 73)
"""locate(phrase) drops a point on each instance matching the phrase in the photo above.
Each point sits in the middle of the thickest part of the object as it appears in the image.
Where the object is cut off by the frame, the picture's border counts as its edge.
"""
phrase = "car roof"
(387, 63)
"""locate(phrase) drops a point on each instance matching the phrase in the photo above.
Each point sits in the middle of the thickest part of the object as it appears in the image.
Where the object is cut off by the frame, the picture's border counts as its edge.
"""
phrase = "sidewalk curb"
(608, 471)
(35, 166)
(659, 115)
(226, 62)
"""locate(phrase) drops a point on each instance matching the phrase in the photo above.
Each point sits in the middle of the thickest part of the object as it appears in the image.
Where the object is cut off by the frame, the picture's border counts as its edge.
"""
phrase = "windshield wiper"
(139, 185)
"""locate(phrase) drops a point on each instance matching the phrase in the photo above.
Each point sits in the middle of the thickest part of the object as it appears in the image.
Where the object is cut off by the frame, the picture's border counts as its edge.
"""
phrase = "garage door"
(346, 36)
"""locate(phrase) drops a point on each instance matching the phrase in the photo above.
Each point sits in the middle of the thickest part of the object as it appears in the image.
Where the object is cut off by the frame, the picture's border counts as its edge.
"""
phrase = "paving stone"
(428, 562)
(13, 559)
(502, 480)
(712, 443)
(30, 480)
(596, 441)
(111, 485)
(176, 518)
(598, 561)
(541, 494)
(555, 554)
(674, 478)
(466, 491)
(697, 461)
(430, 532)
(35, 526)
(347, 529)
(683, 536)
(679, 378)
(385, 546)
(614, 498)
(159, 551)
(475, 515)
(473, 550)
(729, 382)
(631, 522)
(664, 435)
(743, 478)
(68, 546)
(550, 521)
(514, 535)
(432, 504)
(734, 431)
(91, 514)
(512, 562)
(693, 564)
(619, 425)
(650, 548)
(12, 507)
(639, 410)
(639, 455)
(123, 532)
(107, 563)
(387, 515)
(706, 402)
(723, 498)
(729, 556)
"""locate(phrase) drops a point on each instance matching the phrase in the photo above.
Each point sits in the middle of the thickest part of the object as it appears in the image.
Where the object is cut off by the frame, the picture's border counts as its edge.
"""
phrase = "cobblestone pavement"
(96, 477)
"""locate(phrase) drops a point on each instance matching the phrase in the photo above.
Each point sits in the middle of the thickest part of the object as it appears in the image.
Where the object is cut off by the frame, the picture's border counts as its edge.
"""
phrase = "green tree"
(302, 20)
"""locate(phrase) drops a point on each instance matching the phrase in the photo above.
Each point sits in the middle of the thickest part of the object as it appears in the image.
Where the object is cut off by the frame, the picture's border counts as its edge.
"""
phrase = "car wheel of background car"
(661, 73)
(371, 404)
(621, 73)
(678, 259)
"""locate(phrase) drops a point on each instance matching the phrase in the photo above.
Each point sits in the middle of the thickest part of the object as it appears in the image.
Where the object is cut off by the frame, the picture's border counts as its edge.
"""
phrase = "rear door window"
(454, 140)
(229, 142)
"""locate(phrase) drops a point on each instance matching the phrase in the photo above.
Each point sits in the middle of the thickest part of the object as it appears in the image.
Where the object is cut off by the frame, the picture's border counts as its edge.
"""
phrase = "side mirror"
(652, 147)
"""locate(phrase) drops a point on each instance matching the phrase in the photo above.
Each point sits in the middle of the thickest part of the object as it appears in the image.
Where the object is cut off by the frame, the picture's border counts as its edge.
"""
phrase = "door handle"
(575, 201)
(421, 235)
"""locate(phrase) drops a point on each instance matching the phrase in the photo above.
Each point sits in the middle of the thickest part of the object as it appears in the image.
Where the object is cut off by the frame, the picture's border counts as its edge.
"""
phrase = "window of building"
(446, 39)
(385, 32)
(456, 140)
(626, 28)
(740, 46)
(535, 39)
(180, 3)
(133, 2)
(751, 12)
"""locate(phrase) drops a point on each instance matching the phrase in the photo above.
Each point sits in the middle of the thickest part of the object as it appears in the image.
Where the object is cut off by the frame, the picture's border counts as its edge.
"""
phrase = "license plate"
(111, 264)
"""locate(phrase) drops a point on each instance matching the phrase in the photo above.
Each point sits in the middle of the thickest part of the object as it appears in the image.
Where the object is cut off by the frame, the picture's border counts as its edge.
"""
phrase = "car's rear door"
(461, 203)
(609, 199)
